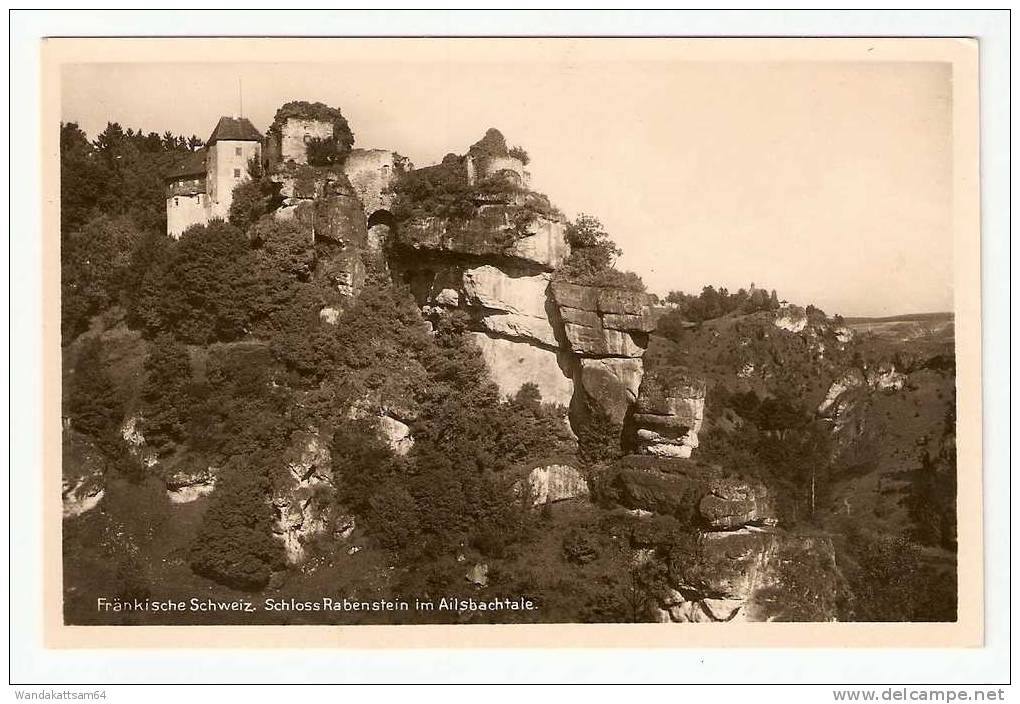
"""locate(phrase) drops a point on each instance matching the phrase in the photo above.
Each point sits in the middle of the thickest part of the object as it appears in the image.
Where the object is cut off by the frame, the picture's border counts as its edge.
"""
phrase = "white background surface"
(32, 664)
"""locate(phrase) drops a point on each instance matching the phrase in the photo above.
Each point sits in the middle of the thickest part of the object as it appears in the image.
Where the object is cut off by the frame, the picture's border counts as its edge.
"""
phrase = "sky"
(829, 182)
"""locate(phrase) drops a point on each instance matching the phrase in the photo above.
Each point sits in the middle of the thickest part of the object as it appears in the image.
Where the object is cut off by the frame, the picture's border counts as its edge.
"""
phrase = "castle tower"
(202, 187)
(232, 144)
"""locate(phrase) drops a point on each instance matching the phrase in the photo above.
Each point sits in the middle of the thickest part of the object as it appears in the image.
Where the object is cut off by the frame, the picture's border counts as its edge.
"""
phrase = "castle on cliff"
(202, 188)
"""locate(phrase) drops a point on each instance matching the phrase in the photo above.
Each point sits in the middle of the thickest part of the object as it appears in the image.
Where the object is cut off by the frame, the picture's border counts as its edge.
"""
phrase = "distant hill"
(904, 328)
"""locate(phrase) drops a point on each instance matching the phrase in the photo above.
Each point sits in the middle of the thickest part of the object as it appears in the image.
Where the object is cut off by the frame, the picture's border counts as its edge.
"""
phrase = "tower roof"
(237, 129)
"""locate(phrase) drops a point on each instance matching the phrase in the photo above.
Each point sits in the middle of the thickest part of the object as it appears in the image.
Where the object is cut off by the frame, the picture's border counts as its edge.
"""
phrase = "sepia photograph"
(516, 331)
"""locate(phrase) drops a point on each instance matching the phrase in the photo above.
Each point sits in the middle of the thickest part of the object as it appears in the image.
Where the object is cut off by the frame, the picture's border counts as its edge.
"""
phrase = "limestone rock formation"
(324, 202)
(303, 499)
(509, 306)
(669, 412)
(697, 494)
(732, 503)
(493, 233)
(602, 322)
(556, 482)
(512, 364)
(739, 562)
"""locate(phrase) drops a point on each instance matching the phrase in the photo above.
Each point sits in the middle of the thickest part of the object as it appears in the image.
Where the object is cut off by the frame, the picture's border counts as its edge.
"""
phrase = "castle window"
(237, 173)
(237, 151)
(177, 201)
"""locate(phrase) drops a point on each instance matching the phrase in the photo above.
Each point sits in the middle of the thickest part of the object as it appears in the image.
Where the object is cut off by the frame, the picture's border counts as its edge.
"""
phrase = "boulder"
(478, 575)
(513, 364)
(396, 434)
(556, 482)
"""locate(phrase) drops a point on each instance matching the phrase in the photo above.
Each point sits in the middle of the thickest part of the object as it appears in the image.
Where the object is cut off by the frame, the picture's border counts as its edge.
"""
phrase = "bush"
(520, 153)
(393, 515)
(581, 545)
(592, 258)
(889, 581)
(598, 438)
(235, 544)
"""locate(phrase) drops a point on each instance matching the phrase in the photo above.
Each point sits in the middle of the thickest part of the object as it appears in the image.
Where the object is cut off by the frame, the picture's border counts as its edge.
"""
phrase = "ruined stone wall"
(296, 132)
(372, 173)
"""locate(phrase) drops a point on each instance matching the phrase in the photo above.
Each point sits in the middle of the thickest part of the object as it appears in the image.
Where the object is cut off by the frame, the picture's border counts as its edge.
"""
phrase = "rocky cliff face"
(326, 204)
(739, 563)
(581, 345)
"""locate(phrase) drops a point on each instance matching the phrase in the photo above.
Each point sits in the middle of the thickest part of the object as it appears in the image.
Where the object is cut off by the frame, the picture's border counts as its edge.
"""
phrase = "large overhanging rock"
(603, 322)
(513, 364)
(492, 232)
(511, 306)
(669, 412)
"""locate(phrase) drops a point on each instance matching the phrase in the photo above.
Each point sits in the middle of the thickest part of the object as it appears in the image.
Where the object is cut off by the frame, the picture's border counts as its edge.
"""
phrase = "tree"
(235, 544)
(207, 289)
(254, 198)
(165, 393)
(94, 404)
(592, 257)
(93, 264)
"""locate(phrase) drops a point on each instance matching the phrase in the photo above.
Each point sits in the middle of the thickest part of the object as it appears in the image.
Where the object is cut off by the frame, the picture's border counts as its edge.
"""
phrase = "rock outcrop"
(580, 345)
(669, 412)
(327, 205)
(303, 499)
(699, 495)
(556, 482)
(396, 434)
(83, 481)
(738, 565)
